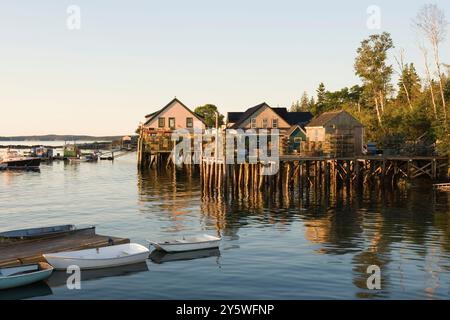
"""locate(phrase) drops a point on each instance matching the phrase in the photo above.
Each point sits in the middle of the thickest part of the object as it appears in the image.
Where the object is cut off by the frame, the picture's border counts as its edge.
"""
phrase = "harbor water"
(308, 248)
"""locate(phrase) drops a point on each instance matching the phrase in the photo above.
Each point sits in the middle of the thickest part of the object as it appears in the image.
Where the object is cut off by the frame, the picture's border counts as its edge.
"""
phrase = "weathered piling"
(322, 174)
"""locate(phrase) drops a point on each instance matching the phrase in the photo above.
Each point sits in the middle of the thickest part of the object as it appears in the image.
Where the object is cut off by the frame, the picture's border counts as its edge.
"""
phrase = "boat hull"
(90, 264)
(20, 280)
(29, 163)
(44, 232)
(181, 247)
(108, 257)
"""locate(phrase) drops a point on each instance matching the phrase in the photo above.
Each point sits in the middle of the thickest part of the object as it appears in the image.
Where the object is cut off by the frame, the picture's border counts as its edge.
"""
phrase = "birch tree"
(431, 22)
(371, 66)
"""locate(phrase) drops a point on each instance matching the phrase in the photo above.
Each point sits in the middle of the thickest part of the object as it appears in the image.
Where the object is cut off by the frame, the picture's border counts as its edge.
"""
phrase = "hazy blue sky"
(132, 57)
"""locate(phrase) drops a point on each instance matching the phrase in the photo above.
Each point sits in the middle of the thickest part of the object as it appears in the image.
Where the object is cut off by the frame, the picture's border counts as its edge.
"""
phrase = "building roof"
(325, 117)
(234, 116)
(293, 128)
(300, 118)
(153, 115)
(291, 118)
(248, 113)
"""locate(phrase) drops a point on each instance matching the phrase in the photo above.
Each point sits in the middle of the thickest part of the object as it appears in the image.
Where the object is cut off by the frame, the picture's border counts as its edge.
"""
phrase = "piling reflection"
(372, 225)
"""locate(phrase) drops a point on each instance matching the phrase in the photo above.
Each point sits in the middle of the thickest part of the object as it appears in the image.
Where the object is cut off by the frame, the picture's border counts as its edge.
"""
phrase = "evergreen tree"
(320, 104)
(408, 85)
(304, 103)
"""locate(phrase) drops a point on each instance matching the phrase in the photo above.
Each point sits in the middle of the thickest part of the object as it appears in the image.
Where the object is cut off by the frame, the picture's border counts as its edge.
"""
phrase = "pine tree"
(320, 104)
(312, 104)
(304, 103)
(408, 85)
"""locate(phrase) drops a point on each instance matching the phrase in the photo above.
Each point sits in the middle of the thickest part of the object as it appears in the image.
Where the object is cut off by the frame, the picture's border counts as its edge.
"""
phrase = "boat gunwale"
(39, 271)
(4, 236)
(55, 255)
(182, 243)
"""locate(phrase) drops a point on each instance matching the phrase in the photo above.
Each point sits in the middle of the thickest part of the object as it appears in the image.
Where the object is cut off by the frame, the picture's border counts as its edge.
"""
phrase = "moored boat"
(89, 157)
(105, 257)
(14, 160)
(44, 232)
(13, 277)
(188, 243)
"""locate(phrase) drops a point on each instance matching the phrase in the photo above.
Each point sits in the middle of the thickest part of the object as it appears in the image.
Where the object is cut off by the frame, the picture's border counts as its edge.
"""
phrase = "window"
(297, 139)
(274, 123)
(264, 123)
(189, 122)
(253, 123)
(171, 123)
(161, 122)
(316, 133)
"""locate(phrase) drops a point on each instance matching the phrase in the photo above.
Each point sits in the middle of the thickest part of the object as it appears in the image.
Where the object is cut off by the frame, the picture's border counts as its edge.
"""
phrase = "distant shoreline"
(54, 137)
(97, 145)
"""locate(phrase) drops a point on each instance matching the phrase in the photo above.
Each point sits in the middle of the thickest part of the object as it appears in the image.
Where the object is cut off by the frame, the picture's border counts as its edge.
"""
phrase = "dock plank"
(30, 251)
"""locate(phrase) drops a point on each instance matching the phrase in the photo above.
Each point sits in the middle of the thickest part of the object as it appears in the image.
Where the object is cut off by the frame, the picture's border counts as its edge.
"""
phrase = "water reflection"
(316, 244)
(162, 257)
(59, 278)
(39, 289)
(382, 226)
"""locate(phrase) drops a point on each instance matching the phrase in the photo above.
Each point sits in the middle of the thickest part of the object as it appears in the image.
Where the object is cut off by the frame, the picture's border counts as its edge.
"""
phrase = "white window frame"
(275, 123)
(265, 123)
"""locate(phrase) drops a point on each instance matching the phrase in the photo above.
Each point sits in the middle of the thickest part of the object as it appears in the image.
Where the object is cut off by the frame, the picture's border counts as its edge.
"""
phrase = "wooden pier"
(304, 173)
(13, 253)
(441, 186)
(295, 171)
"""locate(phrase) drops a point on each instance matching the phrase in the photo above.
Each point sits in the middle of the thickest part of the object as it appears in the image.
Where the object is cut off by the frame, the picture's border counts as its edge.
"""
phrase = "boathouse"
(263, 116)
(337, 133)
(295, 136)
(156, 134)
(175, 115)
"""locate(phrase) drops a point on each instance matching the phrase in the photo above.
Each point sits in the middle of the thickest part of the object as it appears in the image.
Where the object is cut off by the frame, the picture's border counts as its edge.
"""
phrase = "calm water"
(272, 249)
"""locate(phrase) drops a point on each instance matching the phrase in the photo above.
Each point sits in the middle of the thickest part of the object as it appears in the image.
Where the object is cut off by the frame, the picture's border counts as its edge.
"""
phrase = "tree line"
(413, 109)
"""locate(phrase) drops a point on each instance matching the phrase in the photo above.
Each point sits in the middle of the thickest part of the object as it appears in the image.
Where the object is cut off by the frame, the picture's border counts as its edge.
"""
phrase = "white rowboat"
(188, 243)
(98, 258)
(23, 275)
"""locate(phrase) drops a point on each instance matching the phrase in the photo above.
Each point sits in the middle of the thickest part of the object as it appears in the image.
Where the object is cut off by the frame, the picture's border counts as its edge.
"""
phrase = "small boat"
(87, 157)
(188, 243)
(13, 160)
(105, 257)
(13, 277)
(44, 232)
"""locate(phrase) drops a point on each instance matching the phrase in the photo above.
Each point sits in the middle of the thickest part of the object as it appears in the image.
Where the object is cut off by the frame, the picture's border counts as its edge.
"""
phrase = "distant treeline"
(55, 137)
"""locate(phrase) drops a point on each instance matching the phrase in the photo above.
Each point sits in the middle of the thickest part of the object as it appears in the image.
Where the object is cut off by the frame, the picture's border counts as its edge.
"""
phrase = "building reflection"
(371, 225)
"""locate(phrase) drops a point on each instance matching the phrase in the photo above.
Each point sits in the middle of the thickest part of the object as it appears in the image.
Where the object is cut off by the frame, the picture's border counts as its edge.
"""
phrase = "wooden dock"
(294, 171)
(442, 186)
(304, 173)
(13, 253)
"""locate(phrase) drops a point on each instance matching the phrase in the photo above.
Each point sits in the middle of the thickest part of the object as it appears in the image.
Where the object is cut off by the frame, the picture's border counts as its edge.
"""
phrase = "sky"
(130, 58)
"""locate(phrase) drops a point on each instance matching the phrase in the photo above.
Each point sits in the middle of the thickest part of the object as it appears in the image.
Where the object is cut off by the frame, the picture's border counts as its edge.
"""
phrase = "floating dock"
(13, 253)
